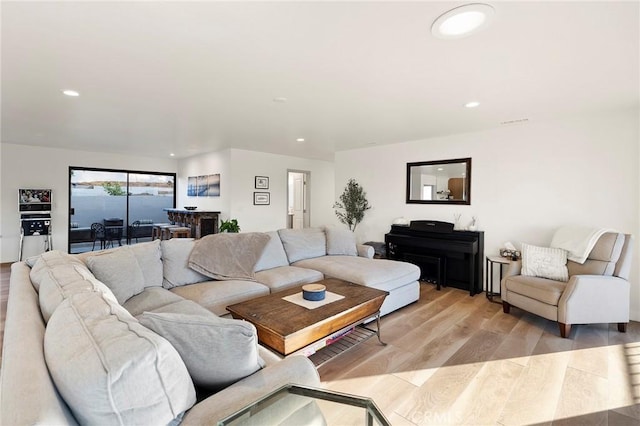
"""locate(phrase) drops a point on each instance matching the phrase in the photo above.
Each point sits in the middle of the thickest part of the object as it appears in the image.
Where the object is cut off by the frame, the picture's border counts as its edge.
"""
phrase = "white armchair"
(597, 291)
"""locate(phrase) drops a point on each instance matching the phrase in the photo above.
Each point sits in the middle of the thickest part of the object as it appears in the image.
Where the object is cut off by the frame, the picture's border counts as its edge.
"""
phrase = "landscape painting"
(204, 186)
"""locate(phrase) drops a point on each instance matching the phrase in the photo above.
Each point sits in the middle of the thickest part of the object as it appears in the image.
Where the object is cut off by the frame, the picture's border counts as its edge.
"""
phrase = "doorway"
(298, 208)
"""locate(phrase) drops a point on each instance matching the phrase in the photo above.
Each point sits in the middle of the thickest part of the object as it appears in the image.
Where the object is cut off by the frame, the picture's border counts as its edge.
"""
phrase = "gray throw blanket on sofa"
(228, 256)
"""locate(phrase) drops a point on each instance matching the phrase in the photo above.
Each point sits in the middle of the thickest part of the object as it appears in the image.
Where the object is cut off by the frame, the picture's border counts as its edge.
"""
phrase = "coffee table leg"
(378, 329)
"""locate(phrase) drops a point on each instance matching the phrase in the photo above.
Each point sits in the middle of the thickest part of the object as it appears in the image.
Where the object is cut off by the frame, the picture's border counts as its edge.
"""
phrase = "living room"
(550, 164)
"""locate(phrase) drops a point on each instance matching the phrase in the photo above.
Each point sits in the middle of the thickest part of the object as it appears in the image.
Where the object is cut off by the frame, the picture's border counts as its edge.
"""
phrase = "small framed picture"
(261, 199)
(262, 182)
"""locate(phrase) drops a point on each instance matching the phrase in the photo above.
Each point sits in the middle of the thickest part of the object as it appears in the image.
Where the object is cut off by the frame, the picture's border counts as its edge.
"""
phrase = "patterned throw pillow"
(544, 262)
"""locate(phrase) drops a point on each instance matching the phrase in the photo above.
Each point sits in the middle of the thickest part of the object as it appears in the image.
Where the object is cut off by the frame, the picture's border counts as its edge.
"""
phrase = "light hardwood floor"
(456, 359)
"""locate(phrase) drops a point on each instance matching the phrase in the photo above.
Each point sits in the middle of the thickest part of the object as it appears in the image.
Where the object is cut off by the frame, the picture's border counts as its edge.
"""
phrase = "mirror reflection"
(439, 182)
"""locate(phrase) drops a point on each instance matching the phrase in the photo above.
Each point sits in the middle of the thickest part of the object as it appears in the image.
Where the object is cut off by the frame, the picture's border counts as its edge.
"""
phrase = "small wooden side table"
(492, 260)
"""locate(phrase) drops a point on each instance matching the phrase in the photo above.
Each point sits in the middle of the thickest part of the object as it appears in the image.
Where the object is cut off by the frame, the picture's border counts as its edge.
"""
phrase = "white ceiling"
(162, 77)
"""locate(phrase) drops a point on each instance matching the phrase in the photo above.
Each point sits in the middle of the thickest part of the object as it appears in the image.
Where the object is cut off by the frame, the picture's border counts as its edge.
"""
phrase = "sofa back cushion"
(300, 244)
(62, 282)
(47, 260)
(175, 263)
(273, 255)
(217, 351)
(112, 370)
(128, 270)
(603, 257)
(340, 241)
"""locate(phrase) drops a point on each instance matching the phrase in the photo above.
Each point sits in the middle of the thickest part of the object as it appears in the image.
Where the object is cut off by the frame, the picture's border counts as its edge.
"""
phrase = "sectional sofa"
(140, 335)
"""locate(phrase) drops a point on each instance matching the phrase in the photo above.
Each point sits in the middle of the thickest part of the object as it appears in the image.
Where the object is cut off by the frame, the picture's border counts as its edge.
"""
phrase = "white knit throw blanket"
(577, 240)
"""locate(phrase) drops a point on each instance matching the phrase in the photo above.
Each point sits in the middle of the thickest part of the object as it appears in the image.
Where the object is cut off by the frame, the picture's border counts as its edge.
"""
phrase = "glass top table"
(294, 404)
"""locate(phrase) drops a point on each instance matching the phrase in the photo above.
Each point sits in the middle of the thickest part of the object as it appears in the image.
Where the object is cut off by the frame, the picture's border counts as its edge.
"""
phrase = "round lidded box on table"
(313, 292)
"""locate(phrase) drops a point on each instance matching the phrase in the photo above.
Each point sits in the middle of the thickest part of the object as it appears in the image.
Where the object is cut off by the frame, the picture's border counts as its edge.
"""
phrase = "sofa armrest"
(27, 392)
(594, 299)
(295, 369)
(267, 356)
(365, 251)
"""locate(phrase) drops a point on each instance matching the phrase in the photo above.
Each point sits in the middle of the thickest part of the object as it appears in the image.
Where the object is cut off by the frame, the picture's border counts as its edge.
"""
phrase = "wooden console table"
(201, 222)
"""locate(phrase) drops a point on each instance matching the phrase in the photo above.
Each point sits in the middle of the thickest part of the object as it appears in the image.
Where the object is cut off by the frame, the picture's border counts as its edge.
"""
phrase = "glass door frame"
(125, 171)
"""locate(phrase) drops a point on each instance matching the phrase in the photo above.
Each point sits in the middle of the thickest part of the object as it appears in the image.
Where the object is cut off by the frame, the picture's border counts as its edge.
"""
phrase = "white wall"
(527, 180)
(201, 165)
(238, 169)
(40, 167)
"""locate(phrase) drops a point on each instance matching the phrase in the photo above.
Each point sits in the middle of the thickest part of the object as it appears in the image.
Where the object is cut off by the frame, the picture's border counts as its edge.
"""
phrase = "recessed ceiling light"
(472, 104)
(462, 21)
(172, 155)
(280, 99)
(71, 93)
(300, 140)
(440, 169)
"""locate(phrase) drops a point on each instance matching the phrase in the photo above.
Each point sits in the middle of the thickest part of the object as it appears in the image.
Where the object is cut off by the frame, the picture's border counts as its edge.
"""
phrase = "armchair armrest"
(365, 251)
(594, 299)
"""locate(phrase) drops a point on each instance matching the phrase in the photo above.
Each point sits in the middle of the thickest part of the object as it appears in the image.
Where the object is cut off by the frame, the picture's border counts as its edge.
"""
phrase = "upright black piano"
(445, 257)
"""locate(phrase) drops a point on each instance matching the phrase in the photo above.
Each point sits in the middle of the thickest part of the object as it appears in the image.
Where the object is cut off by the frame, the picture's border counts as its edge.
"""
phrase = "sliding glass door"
(108, 208)
(149, 194)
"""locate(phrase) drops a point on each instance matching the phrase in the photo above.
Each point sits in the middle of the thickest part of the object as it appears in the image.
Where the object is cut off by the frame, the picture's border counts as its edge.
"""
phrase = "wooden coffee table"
(287, 327)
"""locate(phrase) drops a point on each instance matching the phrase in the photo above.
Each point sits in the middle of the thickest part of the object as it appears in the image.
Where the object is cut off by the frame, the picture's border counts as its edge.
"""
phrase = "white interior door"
(298, 200)
(298, 204)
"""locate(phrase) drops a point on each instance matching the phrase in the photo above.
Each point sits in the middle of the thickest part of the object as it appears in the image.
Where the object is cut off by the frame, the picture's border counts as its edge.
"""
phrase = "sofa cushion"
(112, 370)
(544, 262)
(150, 299)
(300, 244)
(273, 255)
(119, 270)
(182, 306)
(216, 351)
(46, 261)
(128, 270)
(175, 263)
(284, 277)
(63, 281)
(542, 289)
(341, 241)
(217, 295)
(149, 257)
(377, 273)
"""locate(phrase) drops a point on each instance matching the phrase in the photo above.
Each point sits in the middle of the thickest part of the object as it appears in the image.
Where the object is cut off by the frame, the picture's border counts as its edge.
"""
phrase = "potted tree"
(352, 204)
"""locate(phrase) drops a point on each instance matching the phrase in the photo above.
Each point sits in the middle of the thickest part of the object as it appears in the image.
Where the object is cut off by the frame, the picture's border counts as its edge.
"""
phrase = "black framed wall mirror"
(439, 182)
